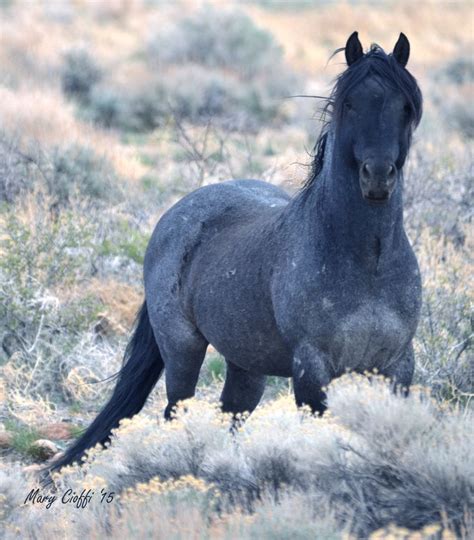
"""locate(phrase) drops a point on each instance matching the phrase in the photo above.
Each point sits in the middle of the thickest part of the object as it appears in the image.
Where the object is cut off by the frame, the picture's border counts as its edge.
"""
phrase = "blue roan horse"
(305, 287)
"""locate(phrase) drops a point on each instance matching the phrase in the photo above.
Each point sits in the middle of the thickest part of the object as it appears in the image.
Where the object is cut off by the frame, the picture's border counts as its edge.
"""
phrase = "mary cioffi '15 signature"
(79, 500)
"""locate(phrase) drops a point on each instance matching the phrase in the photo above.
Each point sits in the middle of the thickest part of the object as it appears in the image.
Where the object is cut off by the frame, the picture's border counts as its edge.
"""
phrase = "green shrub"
(461, 116)
(199, 38)
(238, 75)
(15, 170)
(146, 109)
(125, 240)
(118, 108)
(199, 72)
(23, 438)
(105, 107)
(77, 170)
(61, 173)
(438, 191)
(80, 74)
(460, 70)
(445, 334)
(43, 254)
(445, 339)
(451, 92)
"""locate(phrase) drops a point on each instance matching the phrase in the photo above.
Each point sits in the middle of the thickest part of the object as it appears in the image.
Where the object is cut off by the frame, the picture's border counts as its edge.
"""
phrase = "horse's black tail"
(141, 370)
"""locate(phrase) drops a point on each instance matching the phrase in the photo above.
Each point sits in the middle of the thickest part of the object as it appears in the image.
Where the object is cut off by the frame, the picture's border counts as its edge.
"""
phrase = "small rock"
(56, 431)
(5, 439)
(44, 449)
(32, 469)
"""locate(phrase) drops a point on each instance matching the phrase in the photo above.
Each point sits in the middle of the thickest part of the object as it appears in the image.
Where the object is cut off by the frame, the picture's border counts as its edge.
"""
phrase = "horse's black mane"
(391, 74)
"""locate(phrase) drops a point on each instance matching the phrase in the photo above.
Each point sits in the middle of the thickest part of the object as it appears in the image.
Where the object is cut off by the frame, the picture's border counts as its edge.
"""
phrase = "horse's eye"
(347, 106)
(407, 109)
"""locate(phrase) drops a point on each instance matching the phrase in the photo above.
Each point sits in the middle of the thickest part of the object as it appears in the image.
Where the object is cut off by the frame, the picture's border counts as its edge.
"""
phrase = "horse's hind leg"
(242, 390)
(183, 359)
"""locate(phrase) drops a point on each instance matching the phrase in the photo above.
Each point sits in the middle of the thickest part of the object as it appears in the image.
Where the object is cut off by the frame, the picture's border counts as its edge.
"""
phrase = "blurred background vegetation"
(112, 110)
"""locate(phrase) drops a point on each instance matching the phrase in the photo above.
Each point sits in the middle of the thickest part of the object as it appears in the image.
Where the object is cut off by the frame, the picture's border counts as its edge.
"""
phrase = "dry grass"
(121, 301)
(42, 116)
(437, 30)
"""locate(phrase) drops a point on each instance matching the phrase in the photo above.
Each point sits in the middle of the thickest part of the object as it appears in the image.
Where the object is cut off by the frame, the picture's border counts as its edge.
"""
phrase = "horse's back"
(193, 222)
(239, 197)
(216, 206)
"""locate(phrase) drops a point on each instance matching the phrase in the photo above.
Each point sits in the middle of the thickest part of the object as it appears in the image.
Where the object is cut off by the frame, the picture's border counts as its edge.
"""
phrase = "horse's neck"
(338, 222)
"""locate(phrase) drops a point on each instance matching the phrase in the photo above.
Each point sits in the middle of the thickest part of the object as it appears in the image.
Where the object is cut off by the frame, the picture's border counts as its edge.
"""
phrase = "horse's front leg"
(242, 390)
(401, 372)
(310, 377)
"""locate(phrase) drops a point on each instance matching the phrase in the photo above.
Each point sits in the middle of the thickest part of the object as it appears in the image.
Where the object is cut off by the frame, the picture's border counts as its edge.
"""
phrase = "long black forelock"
(374, 62)
(391, 74)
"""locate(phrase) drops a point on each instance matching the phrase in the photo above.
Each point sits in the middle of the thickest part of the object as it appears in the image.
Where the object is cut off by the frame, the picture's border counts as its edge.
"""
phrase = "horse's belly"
(371, 337)
(256, 351)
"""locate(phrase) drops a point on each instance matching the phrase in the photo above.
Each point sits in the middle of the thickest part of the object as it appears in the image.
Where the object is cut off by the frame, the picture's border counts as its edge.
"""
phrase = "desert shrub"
(451, 91)
(188, 506)
(62, 173)
(195, 71)
(80, 74)
(77, 170)
(204, 154)
(146, 109)
(438, 191)
(40, 247)
(444, 337)
(460, 70)
(105, 107)
(461, 114)
(60, 327)
(236, 73)
(125, 240)
(212, 95)
(15, 170)
(12, 483)
(137, 111)
(411, 460)
(108, 105)
(45, 257)
(198, 38)
(377, 459)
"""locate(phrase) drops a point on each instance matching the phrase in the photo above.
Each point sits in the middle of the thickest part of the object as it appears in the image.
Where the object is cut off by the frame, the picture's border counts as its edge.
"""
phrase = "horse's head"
(376, 105)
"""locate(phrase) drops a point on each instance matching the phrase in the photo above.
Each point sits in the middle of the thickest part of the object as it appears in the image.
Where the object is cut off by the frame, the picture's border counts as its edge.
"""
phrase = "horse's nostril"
(391, 170)
(366, 169)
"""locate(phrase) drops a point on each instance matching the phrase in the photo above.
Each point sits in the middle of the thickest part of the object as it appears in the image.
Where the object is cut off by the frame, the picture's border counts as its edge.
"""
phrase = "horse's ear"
(401, 51)
(353, 49)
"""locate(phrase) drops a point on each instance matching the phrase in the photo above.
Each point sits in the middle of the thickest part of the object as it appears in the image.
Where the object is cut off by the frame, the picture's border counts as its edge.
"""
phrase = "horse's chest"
(372, 336)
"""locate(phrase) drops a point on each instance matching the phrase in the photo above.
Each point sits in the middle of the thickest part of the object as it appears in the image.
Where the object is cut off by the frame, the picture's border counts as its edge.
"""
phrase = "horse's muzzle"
(377, 180)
